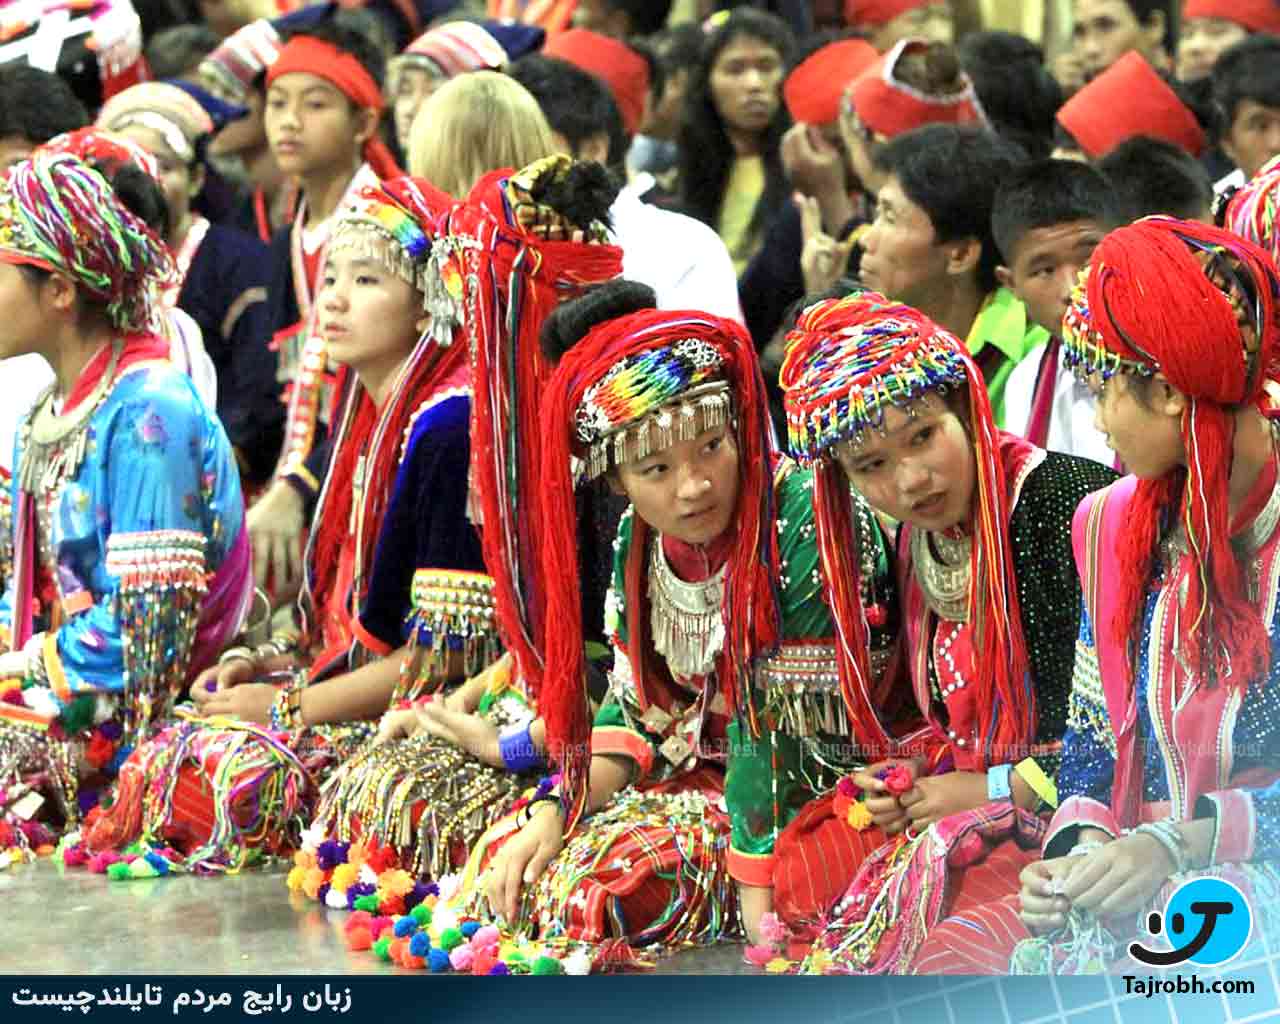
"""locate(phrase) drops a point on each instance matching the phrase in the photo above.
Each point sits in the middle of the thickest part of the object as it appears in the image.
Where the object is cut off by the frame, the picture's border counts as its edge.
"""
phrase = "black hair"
(678, 47)
(340, 32)
(576, 103)
(1144, 9)
(952, 173)
(706, 152)
(1249, 70)
(569, 322)
(1150, 176)
(173, 52)
(584, 194)
(1017, 92)
(1046, 193)
(647, 16)
(37, 105)
(657, 73)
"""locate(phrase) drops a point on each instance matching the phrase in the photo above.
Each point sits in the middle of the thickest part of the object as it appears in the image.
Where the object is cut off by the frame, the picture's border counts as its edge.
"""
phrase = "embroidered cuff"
(1235, 824)
(1075, 813)
(622, 742)
(751, 868)
(453, 610)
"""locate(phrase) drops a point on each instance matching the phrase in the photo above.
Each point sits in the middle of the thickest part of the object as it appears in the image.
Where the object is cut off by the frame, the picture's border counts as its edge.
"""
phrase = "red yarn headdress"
(847, 361)
(397, 223)
(1169, 296)
(664, 355)
(514, 276)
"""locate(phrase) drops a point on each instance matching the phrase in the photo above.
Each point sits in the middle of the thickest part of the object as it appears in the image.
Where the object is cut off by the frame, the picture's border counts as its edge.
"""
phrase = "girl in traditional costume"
(278, 717)
(131, 564)
(880, 397)
(722, 641)
(1170, 761)
(449, 767)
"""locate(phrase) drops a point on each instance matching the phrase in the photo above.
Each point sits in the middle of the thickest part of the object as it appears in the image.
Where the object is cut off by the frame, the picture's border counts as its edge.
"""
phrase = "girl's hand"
(1044, 908)
(471, 733)
(936, 796)
(885, 810)
(397, 725)
(1120, 877)
(523, 859)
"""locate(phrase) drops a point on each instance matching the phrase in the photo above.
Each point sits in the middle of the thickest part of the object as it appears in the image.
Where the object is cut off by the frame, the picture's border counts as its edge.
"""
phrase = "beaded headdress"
(58, 213)
(1197, 304)
(619, 382)
(847, 361)
(395, 225)
(648, 402)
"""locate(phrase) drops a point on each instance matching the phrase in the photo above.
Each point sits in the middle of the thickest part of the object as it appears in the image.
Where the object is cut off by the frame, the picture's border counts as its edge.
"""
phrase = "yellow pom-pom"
(312, 881)
(778, 965)
(344, 877)
(357, 855)
(304, 859)
(395, 882)
(859, 817)
(296, 877)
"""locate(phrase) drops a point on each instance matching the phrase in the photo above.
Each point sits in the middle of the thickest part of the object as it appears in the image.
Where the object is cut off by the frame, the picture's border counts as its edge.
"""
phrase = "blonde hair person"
(474, 124)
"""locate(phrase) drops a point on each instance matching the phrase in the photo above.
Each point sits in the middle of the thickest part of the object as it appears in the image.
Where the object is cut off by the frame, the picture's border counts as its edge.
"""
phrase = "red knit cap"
(813, 89)
(1255, 15)
(890, 107)
(623, 70)
(1129, 99)
(879, 12)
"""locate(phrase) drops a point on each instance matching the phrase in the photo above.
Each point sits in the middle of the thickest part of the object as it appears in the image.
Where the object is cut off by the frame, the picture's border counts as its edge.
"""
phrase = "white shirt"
(681, 259)
(1071, 428)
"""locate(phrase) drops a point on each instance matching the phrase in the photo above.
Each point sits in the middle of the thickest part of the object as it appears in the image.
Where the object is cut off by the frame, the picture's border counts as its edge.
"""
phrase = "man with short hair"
(1246, 89)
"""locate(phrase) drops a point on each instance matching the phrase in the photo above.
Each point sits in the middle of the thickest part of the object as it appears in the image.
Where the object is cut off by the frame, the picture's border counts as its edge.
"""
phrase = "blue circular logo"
(1213, 905)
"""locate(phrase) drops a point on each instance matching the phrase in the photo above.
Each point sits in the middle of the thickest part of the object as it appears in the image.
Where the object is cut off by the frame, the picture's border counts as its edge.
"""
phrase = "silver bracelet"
(1167, 834)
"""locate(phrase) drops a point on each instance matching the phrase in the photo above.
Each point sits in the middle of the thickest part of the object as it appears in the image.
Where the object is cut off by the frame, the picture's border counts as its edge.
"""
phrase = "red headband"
(312, 56)
(890, 107)
(1129, 99)
(813, 89)
(879, 12)
(1255, 15)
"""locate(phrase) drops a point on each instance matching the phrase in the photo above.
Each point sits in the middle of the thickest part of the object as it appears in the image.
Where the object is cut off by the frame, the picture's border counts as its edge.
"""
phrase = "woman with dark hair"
(1018, 94)
(731, 173)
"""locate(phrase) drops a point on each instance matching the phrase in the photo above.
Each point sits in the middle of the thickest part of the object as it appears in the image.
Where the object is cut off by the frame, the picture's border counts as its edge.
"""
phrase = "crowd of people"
(580, 479)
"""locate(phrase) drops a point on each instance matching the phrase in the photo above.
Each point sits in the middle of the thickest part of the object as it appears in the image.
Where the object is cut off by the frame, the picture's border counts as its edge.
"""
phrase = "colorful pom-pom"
(421, 914)
(330, 854)
(450, 939)
(405, 926)
(759, 956)
(382, 948)
(499, 970)
(304, 859)
(335, 899)
(397, 949)
(118, 871)
(897, 779)
(413, 963)
(857, 816)
(469, 928)
(483, 963)
(577, 964)
(378, 925)
(417, 894)
(312, 882)
(74, 856)
(546, 965)
(359, 938)
(344, 876)
(847, 788)
(438, 961)
(360, 919)
(322, 894)
(461, 958)
(486, 938)
(294, 878)
(367, 903)
(420, 944)
(391, 906)
(100, 862)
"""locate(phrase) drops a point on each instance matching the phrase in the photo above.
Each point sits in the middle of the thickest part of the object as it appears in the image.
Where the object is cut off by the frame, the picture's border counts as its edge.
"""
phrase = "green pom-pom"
(450, 939)
(369, 903)
(422, 914)
(546, 965)
(78, 715)
(382, 949)
(119, 871)
(142, 868)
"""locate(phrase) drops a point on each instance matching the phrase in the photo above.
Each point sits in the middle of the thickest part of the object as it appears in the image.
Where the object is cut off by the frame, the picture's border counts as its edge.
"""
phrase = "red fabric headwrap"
(889, 107)
(617, 65)
(1255, 15)
(1129, 99)
(879, 12)
(750, 605)
(311, 56)
(1150, 300)
(813, 89)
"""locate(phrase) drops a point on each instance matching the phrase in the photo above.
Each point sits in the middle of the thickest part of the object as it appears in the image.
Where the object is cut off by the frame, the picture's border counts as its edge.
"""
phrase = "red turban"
(813, 89)
(1255, 15)
(890, 107)
(1129, 99)
(879, 12)
(623, 70)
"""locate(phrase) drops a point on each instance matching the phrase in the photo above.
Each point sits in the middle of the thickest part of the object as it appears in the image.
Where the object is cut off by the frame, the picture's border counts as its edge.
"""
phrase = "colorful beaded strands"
(1198, 305)
(59, 214)
(1252, 210)
(163, 580)
(624, 371)
(448, 603)
(847, 361)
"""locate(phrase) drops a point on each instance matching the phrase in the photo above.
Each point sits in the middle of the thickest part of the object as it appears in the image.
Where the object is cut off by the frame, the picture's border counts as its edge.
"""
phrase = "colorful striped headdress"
(58, 213)
(171, 112)
(847, 361)
(1252, 210)
(1197, 304)
(685, 365)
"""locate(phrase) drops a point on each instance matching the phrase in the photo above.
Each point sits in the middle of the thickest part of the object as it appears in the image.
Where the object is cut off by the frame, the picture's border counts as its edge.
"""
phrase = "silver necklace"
(686, 620)
(943, 577)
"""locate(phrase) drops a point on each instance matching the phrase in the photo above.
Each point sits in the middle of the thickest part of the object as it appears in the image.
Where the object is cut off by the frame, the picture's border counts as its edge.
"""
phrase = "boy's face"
(1254, 137)
(901, 255)
(1046, 263)
(311, 126)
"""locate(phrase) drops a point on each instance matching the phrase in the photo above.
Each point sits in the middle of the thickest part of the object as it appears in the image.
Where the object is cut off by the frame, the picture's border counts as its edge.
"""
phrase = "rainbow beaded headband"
(840, 396)
(649, 401)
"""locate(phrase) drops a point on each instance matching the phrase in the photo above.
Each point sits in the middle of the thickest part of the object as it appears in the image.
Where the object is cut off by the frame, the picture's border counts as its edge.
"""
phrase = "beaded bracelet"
(546, 791)
(1167, 834)
(285, 713)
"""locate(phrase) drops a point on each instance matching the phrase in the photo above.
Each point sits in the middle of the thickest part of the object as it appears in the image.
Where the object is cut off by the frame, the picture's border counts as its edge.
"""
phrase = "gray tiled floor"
(246, 924)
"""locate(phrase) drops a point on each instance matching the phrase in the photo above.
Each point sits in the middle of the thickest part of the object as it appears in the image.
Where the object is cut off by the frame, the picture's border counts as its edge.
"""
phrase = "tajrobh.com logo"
(1207, 922)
